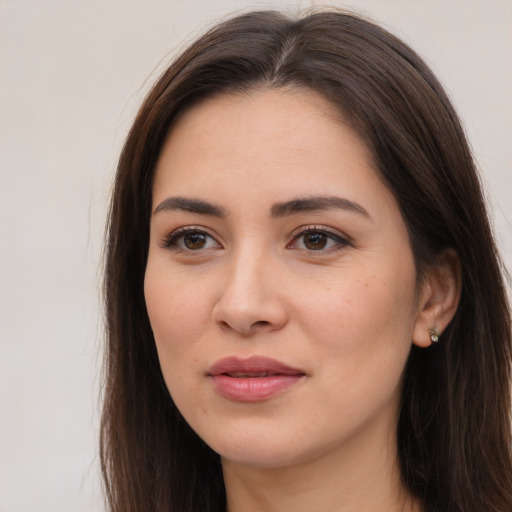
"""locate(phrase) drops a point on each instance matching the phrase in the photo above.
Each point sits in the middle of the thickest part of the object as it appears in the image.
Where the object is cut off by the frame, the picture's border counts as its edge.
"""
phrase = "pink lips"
(253, 379)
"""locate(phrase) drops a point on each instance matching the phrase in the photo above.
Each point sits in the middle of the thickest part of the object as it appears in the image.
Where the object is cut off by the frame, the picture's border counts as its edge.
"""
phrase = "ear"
(439, 297)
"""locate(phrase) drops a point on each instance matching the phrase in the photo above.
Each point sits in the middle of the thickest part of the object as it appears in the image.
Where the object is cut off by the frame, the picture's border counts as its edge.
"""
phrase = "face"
(280, 283)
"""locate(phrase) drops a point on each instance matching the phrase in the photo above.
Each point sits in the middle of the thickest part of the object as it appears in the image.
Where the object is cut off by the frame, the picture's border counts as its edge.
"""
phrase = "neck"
(361, 478)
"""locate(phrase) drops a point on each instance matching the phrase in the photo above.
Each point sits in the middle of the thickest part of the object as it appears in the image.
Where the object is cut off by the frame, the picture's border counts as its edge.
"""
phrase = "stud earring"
(434, 335)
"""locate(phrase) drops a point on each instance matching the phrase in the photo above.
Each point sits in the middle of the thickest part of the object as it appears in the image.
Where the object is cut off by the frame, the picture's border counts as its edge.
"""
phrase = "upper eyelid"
(193, 228)
(318, 227)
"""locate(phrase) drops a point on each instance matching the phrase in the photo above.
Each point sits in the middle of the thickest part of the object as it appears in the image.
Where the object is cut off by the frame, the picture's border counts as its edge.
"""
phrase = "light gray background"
(72, 74)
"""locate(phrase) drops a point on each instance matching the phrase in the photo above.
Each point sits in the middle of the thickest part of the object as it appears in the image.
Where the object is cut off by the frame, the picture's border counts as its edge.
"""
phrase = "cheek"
(364, 324)
(362, 334)
(177, 312)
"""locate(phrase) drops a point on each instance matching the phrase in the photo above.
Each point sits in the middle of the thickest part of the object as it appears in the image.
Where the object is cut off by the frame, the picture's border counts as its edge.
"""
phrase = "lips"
(254, 379)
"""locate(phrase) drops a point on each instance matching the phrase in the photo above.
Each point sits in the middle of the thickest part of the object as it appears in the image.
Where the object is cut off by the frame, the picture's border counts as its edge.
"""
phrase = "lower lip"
(253, 389)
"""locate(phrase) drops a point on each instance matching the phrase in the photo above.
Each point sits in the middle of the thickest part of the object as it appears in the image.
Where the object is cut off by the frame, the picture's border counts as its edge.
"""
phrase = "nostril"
(262, 322)
(255, 326)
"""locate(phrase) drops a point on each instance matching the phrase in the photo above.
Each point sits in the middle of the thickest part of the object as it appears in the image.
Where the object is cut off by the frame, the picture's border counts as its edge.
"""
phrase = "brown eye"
(315, 241)
(194, 241)
(319, 240)
(190, 239)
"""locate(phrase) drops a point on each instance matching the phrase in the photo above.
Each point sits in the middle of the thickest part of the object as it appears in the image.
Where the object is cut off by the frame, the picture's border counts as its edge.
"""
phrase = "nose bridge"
(249, 298)
(245, 273)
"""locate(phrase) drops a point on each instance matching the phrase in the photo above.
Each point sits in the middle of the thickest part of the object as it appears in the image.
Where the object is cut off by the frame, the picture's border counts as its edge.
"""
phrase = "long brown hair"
(454, 430)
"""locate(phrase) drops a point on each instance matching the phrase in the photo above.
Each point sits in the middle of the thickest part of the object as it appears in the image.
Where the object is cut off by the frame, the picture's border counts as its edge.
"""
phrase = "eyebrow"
(278, 210)
(190, 205)
(316, 203)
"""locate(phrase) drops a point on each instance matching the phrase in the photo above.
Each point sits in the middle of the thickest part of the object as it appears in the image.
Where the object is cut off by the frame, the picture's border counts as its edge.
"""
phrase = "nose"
(251, 298)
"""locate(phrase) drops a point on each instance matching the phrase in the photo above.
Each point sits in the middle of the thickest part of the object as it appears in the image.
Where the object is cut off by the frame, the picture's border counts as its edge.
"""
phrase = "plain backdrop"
(72, 73)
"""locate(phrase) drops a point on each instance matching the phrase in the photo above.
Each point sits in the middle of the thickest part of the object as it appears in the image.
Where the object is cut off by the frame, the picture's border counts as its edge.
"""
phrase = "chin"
(261, 448)
(262, 458)
(255, 449)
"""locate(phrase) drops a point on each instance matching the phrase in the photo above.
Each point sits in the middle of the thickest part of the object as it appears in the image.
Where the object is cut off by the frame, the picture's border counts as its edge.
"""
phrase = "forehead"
(277, 143)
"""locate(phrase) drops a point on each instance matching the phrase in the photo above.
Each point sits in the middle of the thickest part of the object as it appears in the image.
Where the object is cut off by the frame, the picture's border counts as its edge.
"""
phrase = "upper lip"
(252, 365)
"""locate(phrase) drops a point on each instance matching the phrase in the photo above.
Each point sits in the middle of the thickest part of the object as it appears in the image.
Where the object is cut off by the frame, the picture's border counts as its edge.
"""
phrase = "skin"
(344, 311)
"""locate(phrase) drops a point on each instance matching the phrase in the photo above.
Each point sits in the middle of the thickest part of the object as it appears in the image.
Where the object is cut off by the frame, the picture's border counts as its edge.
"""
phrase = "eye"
(317, 239)
(190, 239)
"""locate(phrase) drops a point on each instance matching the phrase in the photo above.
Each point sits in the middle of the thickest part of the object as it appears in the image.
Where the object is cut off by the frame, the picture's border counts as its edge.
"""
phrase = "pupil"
(194, 240)
(315, 241)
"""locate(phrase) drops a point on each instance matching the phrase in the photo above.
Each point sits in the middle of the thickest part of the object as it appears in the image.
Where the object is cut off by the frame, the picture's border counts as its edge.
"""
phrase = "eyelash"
(340, 240)
(172, 241)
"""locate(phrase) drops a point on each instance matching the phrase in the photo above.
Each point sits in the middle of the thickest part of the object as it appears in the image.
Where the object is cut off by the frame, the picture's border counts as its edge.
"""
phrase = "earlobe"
(439, 299)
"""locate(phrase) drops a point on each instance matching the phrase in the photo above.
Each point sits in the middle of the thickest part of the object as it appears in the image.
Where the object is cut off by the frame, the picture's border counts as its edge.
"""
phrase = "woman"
(305, 309)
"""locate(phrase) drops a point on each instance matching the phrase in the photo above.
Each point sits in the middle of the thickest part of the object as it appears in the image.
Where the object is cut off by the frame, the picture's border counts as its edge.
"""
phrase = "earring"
(434, 335)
